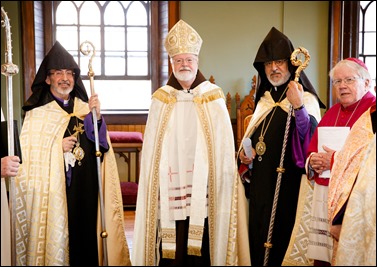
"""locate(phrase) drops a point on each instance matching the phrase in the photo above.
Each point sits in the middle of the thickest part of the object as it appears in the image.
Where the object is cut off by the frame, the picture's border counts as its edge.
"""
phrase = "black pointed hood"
(57, 58)
(277, 46)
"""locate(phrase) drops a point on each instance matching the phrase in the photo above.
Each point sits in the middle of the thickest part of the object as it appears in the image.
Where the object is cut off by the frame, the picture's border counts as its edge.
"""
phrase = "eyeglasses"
(348, 81)
(277, 63)
(179, 61)
(60, 73)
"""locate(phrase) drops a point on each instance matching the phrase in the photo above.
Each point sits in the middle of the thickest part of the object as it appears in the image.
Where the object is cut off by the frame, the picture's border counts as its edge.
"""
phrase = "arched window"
(367, 36)
(120, 32)
(38, 36)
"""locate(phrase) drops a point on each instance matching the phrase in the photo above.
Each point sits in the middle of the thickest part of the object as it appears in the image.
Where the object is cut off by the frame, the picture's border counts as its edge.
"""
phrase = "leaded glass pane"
(137, 39)
(137, 63)
(137, 15)
(114, 14)
(114, 38)
(90, 14)
(65, 8)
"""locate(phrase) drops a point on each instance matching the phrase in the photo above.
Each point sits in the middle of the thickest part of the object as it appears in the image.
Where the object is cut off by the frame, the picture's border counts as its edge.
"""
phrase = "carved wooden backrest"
(228, 96)
(229, 102)
(245, 110)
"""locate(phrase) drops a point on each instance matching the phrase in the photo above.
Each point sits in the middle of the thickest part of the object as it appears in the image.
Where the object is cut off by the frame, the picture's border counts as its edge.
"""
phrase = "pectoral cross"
(78, 129)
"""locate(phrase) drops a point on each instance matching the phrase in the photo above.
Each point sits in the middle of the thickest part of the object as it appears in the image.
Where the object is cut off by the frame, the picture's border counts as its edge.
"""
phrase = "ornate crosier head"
(86, 48)
(7, 69)
(297, 62)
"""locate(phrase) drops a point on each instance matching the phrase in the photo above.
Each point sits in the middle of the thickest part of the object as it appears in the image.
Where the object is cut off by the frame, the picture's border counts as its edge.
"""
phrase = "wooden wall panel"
(127, 128)
(28, 47)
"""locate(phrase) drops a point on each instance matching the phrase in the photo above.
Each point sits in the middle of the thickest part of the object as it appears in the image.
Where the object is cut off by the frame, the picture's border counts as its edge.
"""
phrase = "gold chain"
(261, 145)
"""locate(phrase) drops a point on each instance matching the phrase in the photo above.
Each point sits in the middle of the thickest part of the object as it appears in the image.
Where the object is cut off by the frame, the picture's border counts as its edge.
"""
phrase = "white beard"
(184, 76)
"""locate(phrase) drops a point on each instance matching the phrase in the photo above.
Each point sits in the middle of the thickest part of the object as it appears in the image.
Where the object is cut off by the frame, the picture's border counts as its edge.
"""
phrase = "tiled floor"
(129, 218)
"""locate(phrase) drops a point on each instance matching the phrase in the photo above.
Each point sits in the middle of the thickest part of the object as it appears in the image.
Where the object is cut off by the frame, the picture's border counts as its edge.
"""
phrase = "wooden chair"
(245, 110)
(228, 96)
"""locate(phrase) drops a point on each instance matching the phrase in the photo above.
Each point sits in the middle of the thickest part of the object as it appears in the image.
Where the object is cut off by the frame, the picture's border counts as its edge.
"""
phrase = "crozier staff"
(86, 48)
(11, 162)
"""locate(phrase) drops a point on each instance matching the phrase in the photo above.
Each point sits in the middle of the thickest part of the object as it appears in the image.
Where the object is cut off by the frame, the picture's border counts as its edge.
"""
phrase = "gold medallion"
(260, 148)
(79, 153)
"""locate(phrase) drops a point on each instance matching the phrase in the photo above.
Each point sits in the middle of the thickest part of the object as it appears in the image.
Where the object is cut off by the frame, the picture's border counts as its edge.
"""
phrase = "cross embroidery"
(171, 173)
(188, 171)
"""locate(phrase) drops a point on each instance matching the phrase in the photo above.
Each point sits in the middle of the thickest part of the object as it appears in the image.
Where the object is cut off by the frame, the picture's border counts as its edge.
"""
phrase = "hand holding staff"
(85, 48)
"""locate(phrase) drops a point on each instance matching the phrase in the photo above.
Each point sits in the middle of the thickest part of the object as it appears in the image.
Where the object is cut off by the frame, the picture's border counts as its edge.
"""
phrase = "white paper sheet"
(332, 137)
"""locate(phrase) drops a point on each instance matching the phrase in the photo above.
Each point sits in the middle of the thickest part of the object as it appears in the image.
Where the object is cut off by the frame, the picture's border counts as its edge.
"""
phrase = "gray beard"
(282, 81)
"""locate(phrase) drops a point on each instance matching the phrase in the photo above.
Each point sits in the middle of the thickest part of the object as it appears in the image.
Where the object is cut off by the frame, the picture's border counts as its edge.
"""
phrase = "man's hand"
(95, 103)
(9, 166)
(68, 143)
(245, 159)
(321, 161)
(295, 94)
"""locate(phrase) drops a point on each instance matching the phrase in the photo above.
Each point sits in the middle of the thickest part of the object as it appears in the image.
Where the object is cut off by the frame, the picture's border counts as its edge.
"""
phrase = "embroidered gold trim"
(151, 215)
(168, 254)
(164, 96)
(195, 251)
(171, 97)
(211, 178)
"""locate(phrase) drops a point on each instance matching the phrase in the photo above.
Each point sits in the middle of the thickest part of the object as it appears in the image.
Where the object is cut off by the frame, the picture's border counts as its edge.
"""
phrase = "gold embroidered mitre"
(182, 38)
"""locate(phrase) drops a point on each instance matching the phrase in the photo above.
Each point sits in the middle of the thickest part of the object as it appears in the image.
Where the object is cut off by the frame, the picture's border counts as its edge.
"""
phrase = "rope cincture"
(301, 66)
(268, 245)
